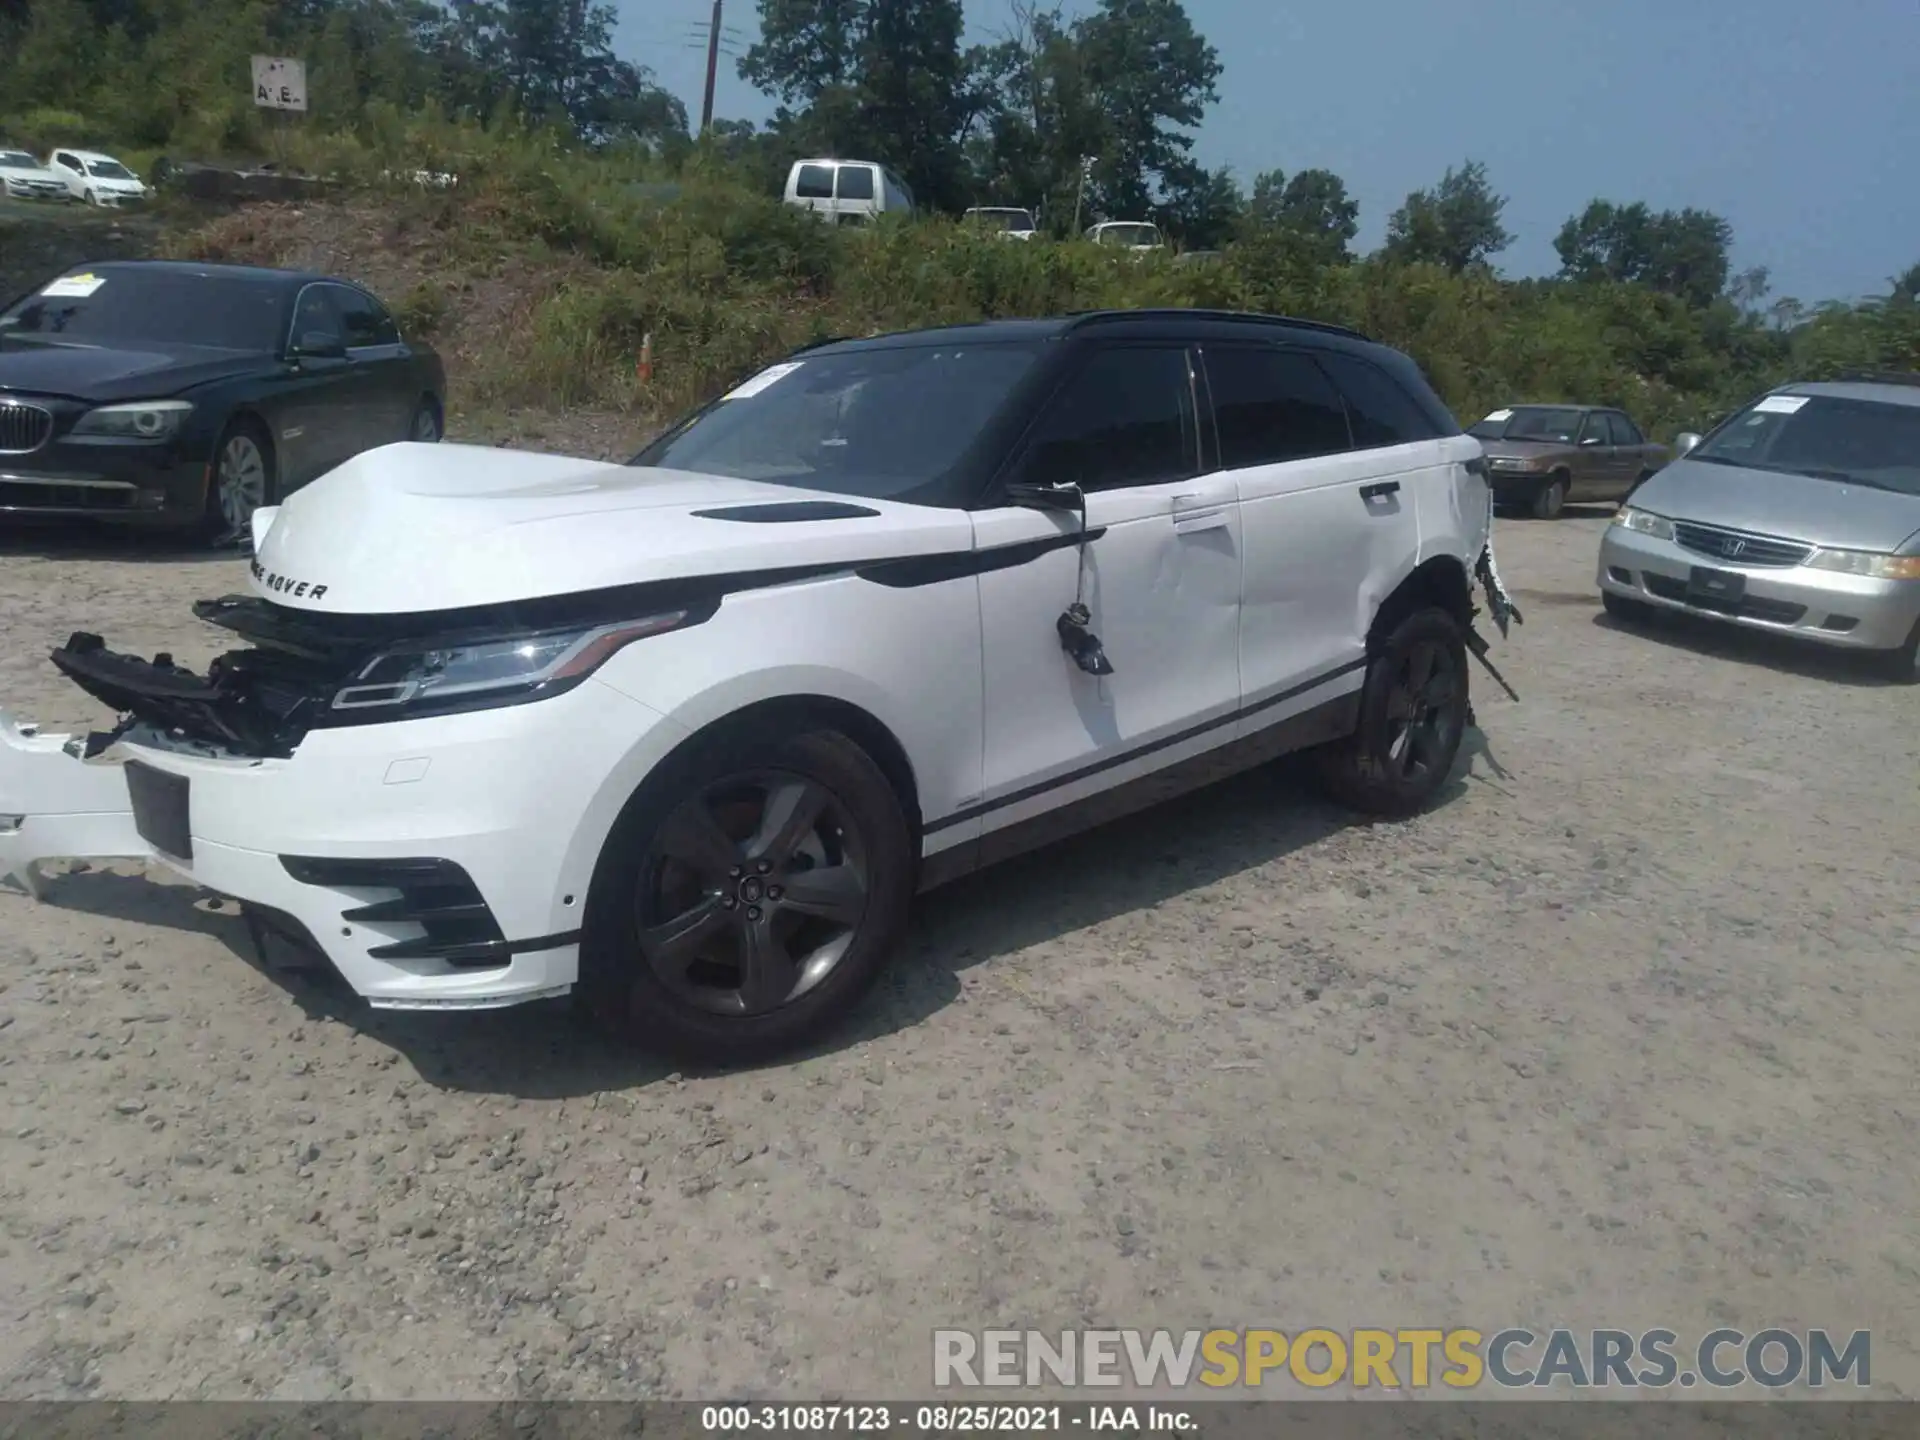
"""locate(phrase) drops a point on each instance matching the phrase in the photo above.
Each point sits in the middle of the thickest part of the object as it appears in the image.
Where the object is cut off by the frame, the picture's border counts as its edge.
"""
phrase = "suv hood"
(412, 528)
(1768, 502)
(101, 376)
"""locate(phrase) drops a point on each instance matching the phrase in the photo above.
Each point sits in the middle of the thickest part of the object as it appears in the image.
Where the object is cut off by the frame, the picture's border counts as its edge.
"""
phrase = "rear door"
(381, 374)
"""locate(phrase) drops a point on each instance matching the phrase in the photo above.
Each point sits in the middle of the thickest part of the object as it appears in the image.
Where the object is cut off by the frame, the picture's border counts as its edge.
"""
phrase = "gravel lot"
(1622, 1034)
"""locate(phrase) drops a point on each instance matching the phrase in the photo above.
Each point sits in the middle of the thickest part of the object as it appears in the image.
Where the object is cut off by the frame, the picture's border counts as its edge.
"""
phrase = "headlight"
(1644, 522)
(494, 671)
(1869, 563)
(146, 420)
(1507, 462)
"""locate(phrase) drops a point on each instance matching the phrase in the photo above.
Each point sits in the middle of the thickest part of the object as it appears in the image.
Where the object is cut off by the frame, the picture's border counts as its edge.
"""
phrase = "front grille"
(1748, 607)
(23, 428)
(1739, 546)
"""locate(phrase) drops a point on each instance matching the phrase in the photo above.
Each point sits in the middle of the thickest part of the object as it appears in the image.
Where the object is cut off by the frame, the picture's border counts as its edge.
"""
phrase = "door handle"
(1200, 520)
(1381, 491)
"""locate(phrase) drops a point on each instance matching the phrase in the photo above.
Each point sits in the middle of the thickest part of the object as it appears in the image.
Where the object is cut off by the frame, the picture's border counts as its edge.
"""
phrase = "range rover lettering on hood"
(265, 579)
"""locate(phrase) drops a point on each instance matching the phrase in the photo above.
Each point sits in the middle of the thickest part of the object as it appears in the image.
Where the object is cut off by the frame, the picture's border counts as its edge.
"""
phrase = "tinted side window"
(315, 314)
(815, 183)
(1625, 432)
(67, 160)
(1125, 419)
(362, 321)
(1272, 405)
(856, 182)
(1596, 430)
(1381, 411)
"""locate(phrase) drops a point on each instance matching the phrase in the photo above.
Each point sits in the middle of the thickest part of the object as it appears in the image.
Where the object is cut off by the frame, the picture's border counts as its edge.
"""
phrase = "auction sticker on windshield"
(73, 287)
(1781, 404)
(772, 375)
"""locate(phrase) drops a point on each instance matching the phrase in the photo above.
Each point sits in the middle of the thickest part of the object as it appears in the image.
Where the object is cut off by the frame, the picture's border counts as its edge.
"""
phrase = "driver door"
(1160, 576)
(317, 426)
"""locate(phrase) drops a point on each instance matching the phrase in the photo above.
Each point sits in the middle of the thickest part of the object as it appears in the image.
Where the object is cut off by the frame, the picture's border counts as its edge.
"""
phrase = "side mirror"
(1685, 441)
(319, 345)
(1047, 497)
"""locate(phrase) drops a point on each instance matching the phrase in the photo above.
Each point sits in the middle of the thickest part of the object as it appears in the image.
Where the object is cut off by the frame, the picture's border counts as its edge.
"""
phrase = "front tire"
(244, 479)
(747, 897)
(1901, 665)
(1413, 716)
(425, 427)
(1551, 499)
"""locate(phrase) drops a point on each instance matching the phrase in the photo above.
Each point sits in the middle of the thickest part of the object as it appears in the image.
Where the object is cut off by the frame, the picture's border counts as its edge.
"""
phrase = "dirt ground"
(1621, 1034)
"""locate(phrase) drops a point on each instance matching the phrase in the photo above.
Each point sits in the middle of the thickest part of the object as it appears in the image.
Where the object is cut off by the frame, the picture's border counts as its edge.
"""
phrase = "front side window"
(67, 160)
(815, 182)
(1271, 406)
(1126, 418)
(886, 422)
(1625, 432)
(856, 182)
(316, 316)
(1827, 437)
(1378, 406)
(1596, 431)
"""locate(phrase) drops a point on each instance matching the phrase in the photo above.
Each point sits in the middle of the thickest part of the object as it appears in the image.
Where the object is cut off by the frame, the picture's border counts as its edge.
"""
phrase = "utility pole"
(713, 69)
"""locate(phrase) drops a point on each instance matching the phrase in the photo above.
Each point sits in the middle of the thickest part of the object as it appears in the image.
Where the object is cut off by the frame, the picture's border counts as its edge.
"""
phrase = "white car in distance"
(687, 735)
(24, 178)
(1008, 221)
(96, 179)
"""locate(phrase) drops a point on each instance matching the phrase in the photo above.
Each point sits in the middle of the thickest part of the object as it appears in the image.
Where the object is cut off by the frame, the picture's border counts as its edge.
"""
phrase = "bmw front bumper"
(1851, 611)
(436, 863)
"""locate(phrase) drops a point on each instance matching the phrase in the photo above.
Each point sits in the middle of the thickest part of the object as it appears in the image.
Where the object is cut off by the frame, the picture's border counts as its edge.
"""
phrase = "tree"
(1456, 225)
(1313, 208)
(1906, 286)
(1683, 253)
(870, 79)
(1202, 207)
(1151, 76)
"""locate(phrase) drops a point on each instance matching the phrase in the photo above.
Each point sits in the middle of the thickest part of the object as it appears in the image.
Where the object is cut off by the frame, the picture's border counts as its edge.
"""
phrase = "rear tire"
(1626, 609)
(425, 427)
(1551, 499)
(1413, 717)
(748, 896)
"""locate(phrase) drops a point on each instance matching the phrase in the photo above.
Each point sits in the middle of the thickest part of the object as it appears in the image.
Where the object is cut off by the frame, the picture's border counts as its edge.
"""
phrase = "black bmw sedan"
(188, 396)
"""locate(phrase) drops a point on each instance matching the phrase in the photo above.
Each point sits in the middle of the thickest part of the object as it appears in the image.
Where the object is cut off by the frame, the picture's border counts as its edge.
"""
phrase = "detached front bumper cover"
(60, 799)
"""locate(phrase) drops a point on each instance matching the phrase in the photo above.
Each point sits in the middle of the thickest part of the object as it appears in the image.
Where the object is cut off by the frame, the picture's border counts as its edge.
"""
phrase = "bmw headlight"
(145, 420)
(484, 672)
(1868, 563)
(1644, 522)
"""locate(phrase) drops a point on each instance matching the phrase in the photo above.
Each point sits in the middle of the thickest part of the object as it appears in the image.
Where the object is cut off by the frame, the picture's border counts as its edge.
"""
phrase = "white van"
(847, 192)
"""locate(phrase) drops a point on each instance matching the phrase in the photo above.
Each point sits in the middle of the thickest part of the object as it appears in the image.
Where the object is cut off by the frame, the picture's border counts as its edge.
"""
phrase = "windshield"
(1004, 219)
(882, 423)
(115, 305)
(1531, 423)
(17, 160)
(1129, 235)
(1865, 442)
(108, 170)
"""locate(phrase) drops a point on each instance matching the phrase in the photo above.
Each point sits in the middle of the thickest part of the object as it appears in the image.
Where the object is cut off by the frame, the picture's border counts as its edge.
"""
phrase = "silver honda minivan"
(1799, 513)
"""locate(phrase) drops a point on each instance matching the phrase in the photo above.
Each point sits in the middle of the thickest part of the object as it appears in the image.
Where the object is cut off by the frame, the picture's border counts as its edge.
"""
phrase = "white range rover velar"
(686, 735)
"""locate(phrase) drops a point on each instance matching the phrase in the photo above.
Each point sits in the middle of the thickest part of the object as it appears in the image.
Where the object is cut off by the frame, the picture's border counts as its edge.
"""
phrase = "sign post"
(280, 84)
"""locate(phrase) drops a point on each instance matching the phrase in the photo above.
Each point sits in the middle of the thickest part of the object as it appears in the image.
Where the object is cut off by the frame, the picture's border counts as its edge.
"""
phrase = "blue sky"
(1800, 123)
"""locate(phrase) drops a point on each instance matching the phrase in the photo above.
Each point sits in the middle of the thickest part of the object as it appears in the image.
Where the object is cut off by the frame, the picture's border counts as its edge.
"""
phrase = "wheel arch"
(237, 414)
(1440, 582)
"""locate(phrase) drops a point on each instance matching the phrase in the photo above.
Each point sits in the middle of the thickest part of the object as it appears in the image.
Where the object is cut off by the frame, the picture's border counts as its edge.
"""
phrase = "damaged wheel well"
(1439, 583)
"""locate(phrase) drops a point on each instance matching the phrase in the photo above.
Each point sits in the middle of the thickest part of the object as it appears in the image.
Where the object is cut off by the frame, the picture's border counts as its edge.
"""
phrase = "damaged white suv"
(688, 734)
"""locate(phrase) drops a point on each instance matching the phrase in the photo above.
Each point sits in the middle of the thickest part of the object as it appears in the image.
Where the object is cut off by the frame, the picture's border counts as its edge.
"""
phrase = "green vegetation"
(586, 218)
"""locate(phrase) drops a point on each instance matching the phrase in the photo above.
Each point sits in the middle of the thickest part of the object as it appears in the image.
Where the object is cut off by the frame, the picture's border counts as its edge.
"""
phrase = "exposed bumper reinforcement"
(56, 806)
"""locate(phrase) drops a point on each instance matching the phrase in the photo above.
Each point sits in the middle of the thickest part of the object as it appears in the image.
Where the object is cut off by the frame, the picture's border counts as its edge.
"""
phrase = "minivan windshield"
(133, 305)
(1827, 437)
(1554, 424)
(886, 422)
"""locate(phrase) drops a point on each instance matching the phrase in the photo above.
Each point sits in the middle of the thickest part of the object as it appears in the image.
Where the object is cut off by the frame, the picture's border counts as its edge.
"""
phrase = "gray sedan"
(1799, 514)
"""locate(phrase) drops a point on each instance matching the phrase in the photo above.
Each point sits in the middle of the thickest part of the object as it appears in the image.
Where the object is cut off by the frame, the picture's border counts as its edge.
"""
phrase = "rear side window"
(1381, 411)
(1125, 419)
(815, 183)
(1272, 405)
(856, 182)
